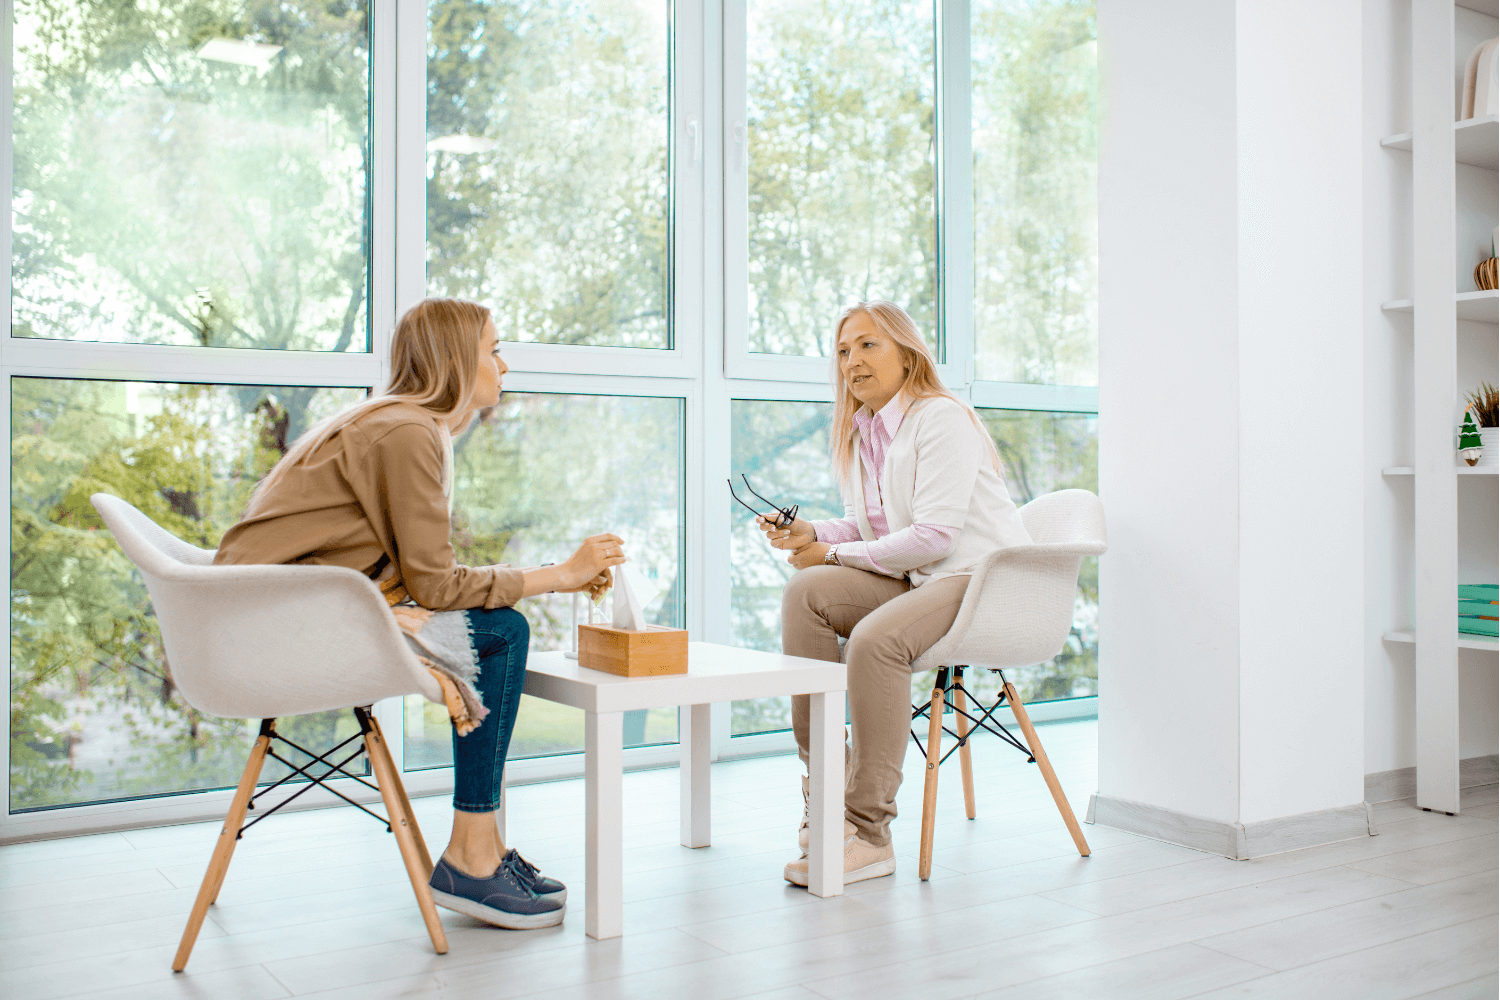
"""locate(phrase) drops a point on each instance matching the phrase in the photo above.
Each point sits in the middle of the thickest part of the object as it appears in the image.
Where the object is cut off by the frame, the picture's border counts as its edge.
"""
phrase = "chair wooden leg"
(403, 825)
(229, 834)
(406, 810)
(1047, 773)
(965, 761)
(929, 791)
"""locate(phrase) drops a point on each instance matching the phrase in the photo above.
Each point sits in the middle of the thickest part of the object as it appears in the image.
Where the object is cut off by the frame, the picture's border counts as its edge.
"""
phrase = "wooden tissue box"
(658, 650)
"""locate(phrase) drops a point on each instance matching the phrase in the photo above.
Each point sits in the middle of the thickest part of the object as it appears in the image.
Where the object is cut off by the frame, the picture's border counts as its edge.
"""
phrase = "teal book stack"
(1479, 609)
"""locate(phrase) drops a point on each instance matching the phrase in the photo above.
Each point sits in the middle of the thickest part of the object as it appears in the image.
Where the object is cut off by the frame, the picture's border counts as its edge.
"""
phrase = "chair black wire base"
(985, 721)
(268, 729)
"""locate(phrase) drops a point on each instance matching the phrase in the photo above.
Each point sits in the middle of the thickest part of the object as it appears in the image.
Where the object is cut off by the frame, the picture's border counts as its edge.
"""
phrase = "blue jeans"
(500, 637)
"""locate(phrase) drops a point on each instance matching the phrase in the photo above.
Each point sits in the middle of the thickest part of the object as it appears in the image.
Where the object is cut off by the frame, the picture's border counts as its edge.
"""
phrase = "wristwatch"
(831, 557)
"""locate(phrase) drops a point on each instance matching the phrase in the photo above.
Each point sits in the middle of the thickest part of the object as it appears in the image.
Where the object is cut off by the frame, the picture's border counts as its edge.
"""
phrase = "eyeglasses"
(784, 515)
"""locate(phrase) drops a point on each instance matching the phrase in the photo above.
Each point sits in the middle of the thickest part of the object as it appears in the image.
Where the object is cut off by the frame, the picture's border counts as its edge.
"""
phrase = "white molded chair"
(266, 642)
(1017, 611)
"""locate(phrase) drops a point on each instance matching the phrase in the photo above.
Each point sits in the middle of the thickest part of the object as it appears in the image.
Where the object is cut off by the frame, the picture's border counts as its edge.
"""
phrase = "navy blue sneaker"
(547, 888)
(503, 899)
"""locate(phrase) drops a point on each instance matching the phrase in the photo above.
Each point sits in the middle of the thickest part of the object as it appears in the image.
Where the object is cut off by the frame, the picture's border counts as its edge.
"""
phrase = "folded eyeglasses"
(783, 517)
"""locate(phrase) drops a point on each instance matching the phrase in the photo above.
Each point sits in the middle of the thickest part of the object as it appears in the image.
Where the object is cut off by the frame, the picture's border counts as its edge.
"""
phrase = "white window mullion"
(955, 193)
(7, 160)
(160, 363)
(735, 154)
(1027, 396)
(410, 159)
(384, 98)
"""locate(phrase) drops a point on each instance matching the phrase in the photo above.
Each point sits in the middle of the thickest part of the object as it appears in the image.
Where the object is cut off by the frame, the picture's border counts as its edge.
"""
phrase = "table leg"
(694, 734)
(603, 749)
(825, 849)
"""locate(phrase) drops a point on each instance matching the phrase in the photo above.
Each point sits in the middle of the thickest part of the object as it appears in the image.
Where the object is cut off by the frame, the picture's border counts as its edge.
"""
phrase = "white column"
(1231, 388)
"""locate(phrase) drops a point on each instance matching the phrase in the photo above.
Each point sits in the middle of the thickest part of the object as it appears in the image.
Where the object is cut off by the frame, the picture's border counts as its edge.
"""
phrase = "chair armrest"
(1018, 608)
(262, 641)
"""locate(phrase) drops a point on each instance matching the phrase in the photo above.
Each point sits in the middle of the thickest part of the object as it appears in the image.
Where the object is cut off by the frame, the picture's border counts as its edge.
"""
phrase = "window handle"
(696, 132)
(742, 138)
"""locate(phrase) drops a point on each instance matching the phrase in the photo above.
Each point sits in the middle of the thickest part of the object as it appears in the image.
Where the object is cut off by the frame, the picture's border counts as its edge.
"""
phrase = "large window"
(532, 479)
(94, 711)
(548, 189)
(1035, 176)
(190, 173)
(220, 211)
(840, 137)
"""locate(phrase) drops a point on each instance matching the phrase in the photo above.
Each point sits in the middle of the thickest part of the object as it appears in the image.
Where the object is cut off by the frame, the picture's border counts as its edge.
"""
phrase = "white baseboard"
(1387, 786)
(1239, 841)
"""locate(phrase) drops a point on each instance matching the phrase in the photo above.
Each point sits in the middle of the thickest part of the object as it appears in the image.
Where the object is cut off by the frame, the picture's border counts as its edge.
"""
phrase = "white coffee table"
(715, 673)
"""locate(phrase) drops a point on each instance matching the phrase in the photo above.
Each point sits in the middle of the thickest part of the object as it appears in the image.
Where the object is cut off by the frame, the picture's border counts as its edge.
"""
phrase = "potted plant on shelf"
(1484, 405)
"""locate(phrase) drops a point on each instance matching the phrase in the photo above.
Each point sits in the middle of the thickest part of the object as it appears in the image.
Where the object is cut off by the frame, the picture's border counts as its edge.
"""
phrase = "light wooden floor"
(316, 904)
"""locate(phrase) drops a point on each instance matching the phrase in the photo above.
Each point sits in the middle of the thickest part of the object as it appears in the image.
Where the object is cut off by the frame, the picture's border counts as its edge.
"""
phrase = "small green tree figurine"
(1470, 444)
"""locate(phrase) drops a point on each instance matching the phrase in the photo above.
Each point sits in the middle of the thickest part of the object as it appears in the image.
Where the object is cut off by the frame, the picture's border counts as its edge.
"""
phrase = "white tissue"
(628, 613)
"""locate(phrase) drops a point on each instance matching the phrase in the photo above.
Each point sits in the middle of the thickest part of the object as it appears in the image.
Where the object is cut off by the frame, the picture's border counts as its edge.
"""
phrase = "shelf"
(1476, 307)
(1462, 470)
(1465, 641)
(1476, 141)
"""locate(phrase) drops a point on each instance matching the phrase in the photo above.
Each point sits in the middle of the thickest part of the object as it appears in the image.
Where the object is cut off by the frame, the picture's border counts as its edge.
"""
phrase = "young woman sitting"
(371, 489)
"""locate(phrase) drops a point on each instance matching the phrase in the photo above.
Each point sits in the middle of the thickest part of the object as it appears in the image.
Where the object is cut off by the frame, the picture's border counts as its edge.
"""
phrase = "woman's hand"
(588, 568)
(812, 554)
(595, 588)
(795, 537)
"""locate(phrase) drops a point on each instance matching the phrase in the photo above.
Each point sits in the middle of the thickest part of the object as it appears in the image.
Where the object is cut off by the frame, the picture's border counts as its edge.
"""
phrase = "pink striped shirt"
(918, 544)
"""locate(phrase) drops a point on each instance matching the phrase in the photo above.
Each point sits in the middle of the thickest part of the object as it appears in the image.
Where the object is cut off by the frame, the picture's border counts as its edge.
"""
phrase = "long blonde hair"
(434, 364)
(922, 381)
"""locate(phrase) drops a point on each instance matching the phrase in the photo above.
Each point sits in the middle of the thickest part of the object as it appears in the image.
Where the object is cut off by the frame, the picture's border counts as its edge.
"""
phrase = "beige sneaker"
(861, 860)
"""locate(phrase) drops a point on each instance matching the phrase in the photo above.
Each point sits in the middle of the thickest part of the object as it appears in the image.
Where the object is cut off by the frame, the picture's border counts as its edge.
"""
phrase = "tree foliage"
(164, 198)
(842, 138)
(1035, 106)
(558, 217)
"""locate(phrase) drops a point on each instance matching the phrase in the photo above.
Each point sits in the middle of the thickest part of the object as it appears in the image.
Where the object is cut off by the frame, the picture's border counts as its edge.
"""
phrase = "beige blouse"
(372, 498)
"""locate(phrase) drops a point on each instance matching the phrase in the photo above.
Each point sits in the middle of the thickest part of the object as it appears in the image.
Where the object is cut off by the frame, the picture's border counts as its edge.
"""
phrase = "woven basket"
(1485, 275)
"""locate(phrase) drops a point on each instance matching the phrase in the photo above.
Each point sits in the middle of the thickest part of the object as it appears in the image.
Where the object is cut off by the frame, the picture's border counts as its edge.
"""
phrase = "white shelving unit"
(1464, 641)
(1477, 470)
(1477, 307)
(1446, 214)
(1475, 141)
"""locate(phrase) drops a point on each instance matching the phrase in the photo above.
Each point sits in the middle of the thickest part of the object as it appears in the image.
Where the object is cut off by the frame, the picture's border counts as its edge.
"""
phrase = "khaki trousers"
(888, 624)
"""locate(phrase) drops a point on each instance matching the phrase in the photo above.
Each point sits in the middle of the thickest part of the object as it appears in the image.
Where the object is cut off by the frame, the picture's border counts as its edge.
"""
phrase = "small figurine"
(1470, 444)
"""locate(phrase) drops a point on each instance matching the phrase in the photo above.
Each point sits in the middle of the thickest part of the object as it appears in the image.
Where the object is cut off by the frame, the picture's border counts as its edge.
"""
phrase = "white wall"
(1168, 461)
(1300, 366)
(1230, 373)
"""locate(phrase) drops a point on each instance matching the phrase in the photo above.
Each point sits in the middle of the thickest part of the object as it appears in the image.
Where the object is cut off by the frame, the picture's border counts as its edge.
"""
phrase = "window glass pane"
(1035, 90)
(1042, 453)
(842, 139)
(548, 184)
(540, 473)
(190, 173)
(783, 448)
(94, 712)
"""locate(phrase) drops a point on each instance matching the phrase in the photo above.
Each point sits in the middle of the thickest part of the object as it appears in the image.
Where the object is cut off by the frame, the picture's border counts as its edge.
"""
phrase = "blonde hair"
(434, 365)
(922, 381)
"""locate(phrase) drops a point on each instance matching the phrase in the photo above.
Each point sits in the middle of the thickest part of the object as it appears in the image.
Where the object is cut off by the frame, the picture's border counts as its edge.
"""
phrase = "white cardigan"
(938, 471)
